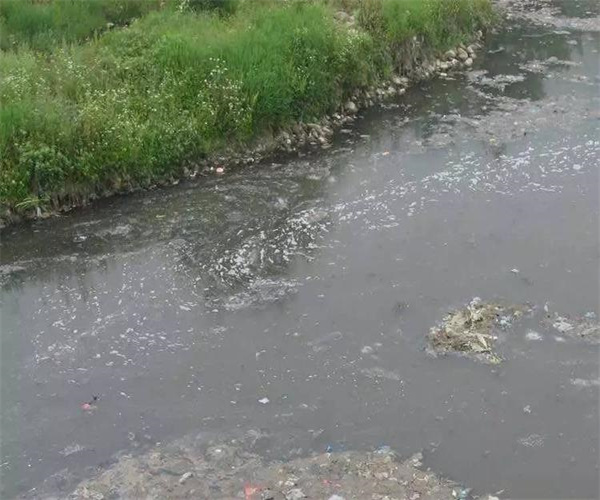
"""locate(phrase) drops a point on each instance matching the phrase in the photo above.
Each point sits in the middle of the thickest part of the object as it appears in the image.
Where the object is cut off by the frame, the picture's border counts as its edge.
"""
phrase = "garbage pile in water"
(473, 330)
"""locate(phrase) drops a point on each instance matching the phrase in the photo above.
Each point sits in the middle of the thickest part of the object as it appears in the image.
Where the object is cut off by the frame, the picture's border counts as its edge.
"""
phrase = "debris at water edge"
(226, 470)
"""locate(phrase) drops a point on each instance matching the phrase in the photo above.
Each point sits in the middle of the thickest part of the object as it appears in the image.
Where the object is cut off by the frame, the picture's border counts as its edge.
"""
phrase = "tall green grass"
(130, 106)
(42, 24)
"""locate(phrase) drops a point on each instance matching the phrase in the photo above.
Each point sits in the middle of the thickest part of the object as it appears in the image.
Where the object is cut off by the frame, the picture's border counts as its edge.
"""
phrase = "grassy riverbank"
(127, 106)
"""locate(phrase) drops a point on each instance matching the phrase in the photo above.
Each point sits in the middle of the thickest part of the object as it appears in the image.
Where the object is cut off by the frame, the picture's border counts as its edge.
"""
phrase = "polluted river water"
(294, 299)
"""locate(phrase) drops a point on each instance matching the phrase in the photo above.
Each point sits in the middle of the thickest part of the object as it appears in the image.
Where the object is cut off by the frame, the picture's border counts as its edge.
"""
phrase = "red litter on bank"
(250, 490)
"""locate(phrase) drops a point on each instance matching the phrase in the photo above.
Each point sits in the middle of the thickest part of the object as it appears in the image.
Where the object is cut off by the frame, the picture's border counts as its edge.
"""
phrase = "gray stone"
(295, 494)
(469, 62)
(396, 80)
(327, 132)
(450, 54)
(462, 54)
(285, 138)
(351, 107)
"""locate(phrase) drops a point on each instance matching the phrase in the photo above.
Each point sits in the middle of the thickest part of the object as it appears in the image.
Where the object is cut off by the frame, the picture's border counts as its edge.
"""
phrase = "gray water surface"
(313, 281)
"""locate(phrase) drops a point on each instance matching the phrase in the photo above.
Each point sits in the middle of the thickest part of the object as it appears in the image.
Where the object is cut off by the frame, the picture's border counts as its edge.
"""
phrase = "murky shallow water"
(184, 307)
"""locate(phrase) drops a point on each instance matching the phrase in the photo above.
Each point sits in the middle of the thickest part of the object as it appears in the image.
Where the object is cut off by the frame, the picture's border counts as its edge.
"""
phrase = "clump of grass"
(223, 7)
(42, 24)
(436, 23)
(405, 30)
(130, 106)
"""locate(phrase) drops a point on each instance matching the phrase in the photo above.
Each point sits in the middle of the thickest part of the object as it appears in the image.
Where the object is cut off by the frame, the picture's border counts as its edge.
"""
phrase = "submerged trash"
(377, 373)
(532, 441)
(264, 401)
(90, 405)
(325, 342)
(71, 449)
(470, 330)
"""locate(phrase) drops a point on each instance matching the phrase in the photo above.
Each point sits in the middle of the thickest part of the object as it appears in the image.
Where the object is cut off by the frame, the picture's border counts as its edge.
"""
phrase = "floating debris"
(586, 328)
(582, 382)
(471, 330)
(562, 325)
(532, 335)
(367, 349)
(532, 441)
(71, 449)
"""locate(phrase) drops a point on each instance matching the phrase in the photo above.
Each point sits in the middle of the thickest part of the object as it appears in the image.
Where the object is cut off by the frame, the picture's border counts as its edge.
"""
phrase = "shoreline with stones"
(320, 134)
(294, 138)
